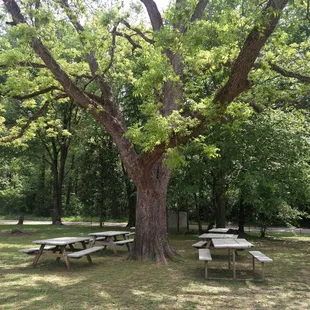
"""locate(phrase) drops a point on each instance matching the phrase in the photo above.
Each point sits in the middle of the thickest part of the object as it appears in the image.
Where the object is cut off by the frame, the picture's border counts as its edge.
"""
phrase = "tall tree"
(169, 83)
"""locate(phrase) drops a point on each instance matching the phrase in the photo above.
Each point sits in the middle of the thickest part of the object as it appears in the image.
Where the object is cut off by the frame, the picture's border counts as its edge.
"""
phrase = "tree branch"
(154, 15)
(23, 128)
(139, 32)
(112, 51)
(199, 10)
(130, 40)
(238, 79)
(290, 74)
(26, 64)
(37, 93)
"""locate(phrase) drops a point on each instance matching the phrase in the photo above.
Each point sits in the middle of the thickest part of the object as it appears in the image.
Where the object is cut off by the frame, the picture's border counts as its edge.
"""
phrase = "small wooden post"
(253, 263)
(206, 269)
(229, 258)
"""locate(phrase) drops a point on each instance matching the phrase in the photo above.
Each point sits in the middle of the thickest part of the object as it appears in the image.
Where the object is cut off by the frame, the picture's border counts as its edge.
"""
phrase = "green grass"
(113, 282)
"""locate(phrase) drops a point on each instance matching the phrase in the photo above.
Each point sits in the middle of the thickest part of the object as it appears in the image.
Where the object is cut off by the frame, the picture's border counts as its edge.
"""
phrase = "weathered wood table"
(232, 245)
(208, 237)
(60, 248)
(109, 238)
(218, 230)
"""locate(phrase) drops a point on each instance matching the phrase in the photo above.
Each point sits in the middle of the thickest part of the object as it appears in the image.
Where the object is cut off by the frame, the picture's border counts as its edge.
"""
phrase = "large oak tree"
(187, 68)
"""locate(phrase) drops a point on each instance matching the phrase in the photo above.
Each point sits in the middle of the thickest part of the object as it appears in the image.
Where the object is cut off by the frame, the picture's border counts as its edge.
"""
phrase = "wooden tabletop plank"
(109, 233)
(231, 243)
(219, 230)
(218, 236)
(62, 240)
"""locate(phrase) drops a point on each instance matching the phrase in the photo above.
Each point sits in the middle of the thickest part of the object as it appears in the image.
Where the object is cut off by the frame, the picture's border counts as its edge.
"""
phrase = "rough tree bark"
(151, 240)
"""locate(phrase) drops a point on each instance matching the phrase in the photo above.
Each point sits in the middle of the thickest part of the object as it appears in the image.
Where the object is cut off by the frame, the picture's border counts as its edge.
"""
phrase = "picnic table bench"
(200, 244)
(86, 252)
(127, 242)
(205, 255)
(33, 251)
(109, 238)
(261, 258)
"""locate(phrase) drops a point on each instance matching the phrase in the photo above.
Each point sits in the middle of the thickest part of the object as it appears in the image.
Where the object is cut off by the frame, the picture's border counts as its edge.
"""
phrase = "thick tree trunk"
(151, 239)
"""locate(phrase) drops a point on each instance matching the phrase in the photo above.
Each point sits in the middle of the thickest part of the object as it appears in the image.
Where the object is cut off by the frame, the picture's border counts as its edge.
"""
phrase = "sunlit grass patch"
(113, 282)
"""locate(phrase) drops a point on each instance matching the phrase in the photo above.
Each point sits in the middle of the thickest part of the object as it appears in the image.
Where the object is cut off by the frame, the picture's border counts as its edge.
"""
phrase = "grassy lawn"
(113, 282)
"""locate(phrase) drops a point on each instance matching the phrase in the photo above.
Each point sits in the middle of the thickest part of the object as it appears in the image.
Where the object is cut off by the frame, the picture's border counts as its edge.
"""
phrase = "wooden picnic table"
(218, 230)
(232, 245)
(60, 248)
(208, 237)
(108, 238)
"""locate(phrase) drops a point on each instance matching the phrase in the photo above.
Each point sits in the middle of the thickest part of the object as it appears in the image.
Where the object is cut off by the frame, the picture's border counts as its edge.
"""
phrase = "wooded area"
(124, 111)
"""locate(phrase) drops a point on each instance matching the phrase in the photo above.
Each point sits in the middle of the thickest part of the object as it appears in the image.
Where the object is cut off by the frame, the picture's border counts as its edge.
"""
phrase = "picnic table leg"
(109, 240)
(206, 269)
(60, 252)
(55, 250)
(87, 255)
(263, 273)
(64, 254)
(229, 258)
(71, 247)
(36, 258)
(253, 263)
(93, 242)
(234, 263)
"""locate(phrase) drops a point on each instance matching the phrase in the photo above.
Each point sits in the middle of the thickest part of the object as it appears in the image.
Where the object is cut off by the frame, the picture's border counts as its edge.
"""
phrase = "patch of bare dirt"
(16, 232)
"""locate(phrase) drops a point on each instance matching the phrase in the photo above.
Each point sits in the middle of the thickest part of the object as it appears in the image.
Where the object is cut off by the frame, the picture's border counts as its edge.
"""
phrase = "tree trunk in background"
(241, 216)
(114, 207)
(70, 187)
(101, 220)
(132, 202)
(57, 188)
(56, 212)
(42, 183)
(151, 240)
(21, 219)
(198, 214)
(58, 170)
(131, 191)
(219, 202)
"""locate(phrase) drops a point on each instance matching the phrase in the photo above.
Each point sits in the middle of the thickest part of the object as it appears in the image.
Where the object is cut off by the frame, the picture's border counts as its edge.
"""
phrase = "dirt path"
(123, 224)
